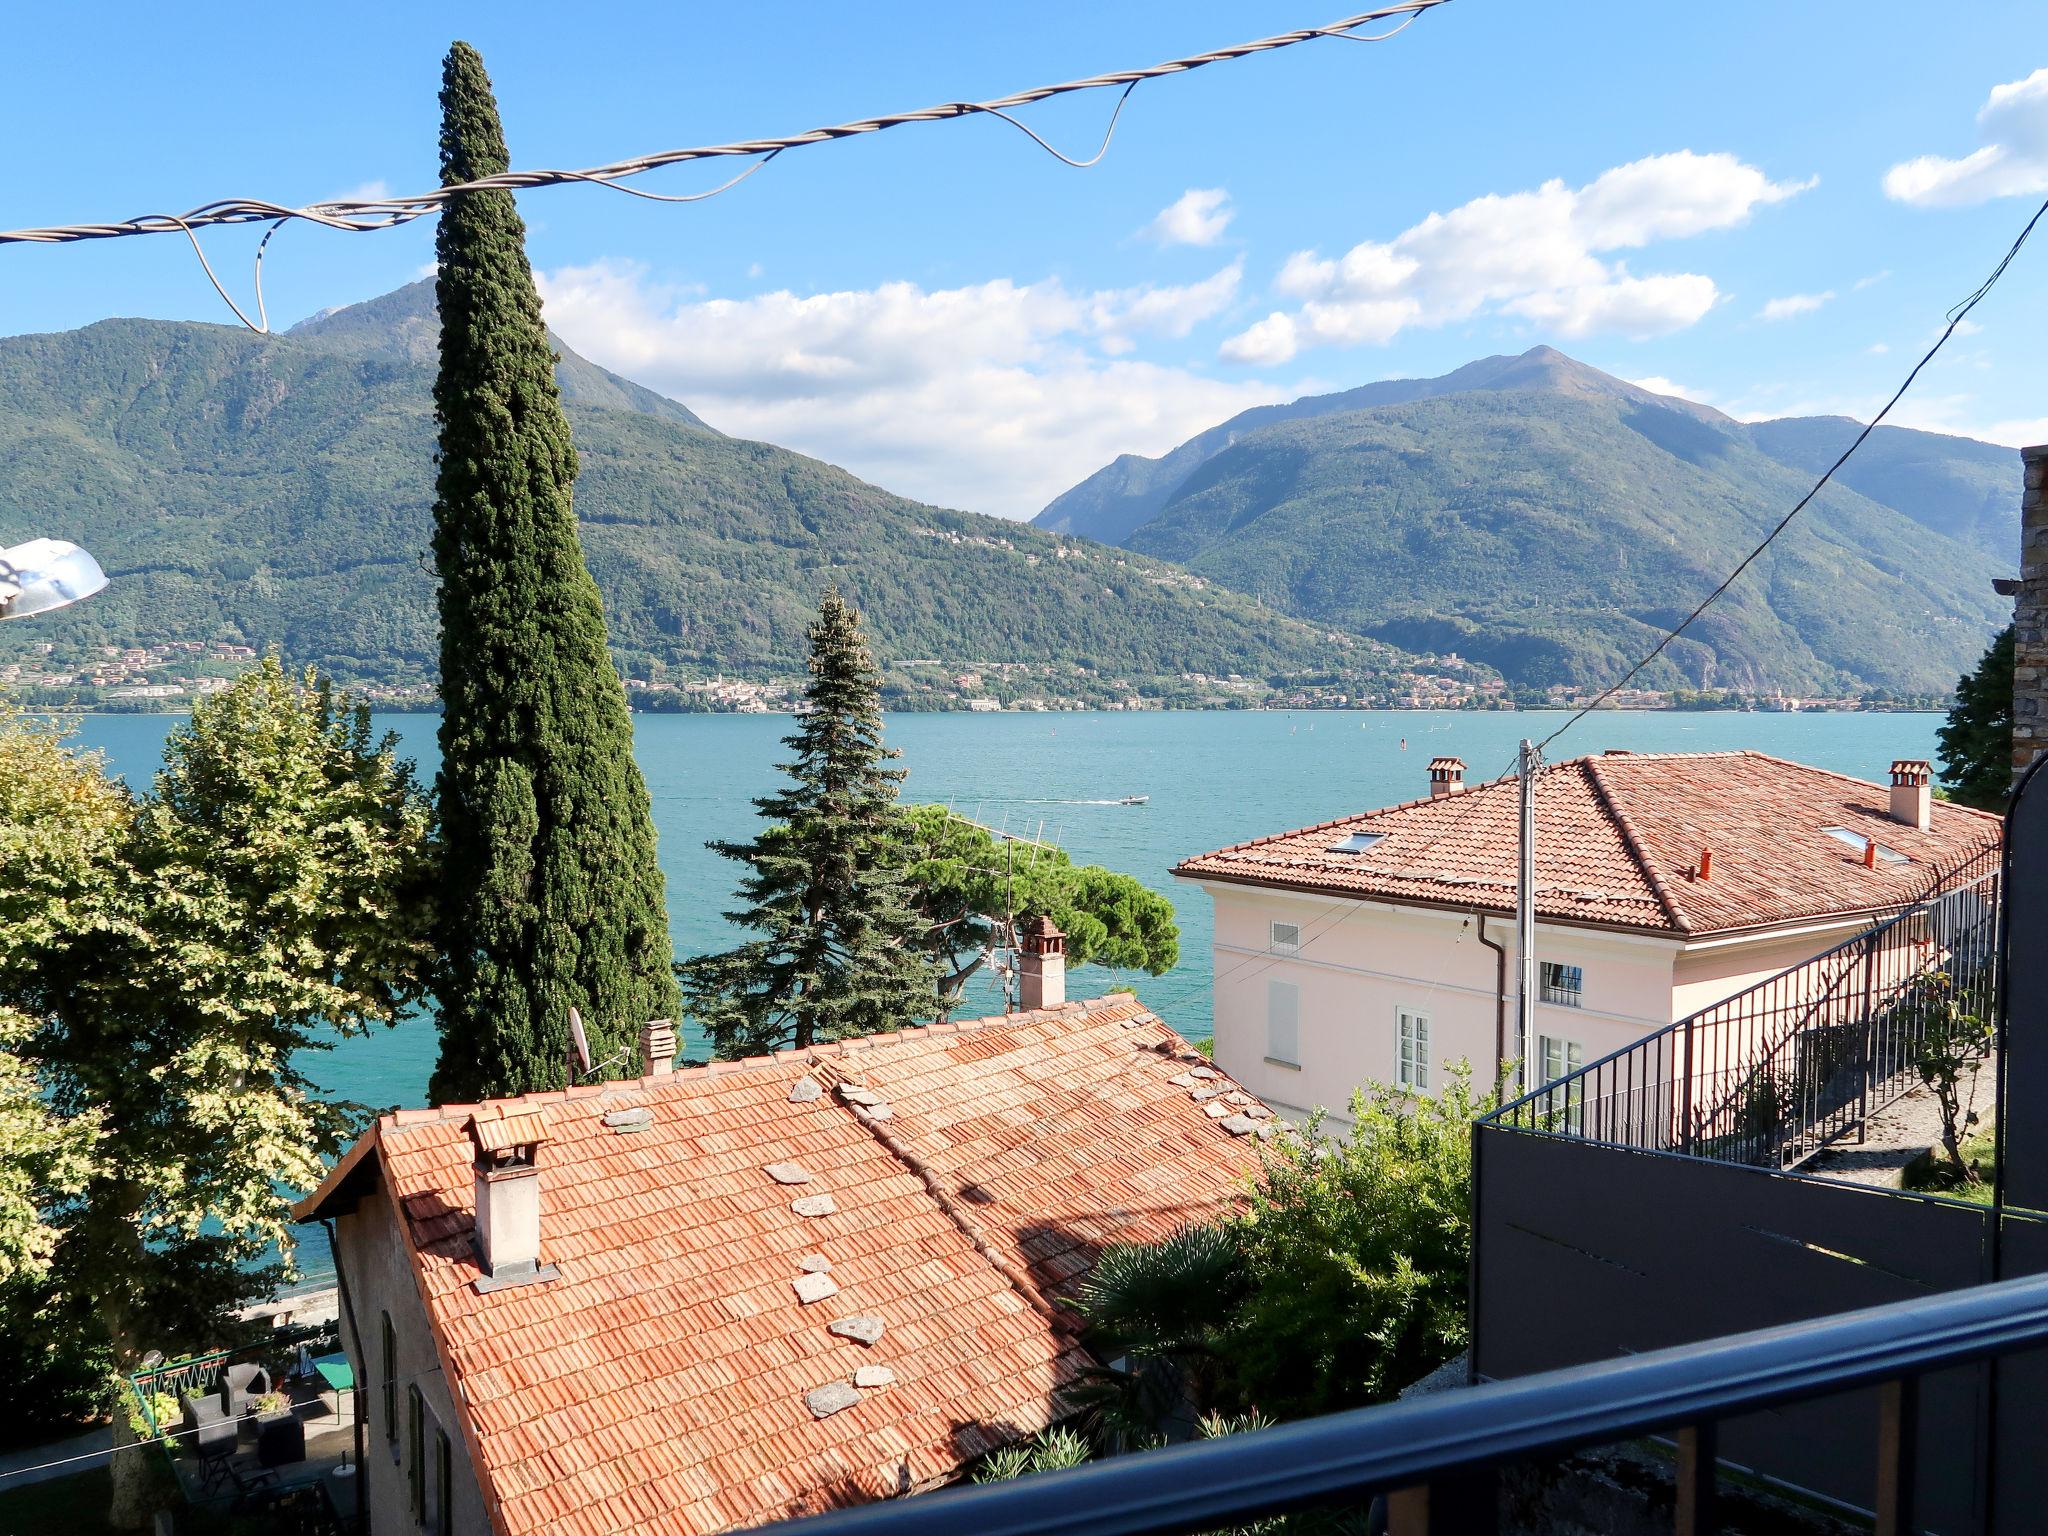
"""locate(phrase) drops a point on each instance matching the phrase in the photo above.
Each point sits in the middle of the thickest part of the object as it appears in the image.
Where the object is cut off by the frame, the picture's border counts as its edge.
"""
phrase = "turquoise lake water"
(1212, 779)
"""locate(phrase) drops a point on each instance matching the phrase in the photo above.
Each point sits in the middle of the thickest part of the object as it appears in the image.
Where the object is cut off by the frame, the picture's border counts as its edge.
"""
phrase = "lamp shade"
(44, 574)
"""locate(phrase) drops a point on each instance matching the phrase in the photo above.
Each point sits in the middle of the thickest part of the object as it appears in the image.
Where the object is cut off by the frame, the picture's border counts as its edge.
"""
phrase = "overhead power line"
(361, 215)
(1955, 318)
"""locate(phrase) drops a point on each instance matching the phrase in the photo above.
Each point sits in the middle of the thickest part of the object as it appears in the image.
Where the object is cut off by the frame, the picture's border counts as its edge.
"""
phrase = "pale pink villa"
(1381, 947)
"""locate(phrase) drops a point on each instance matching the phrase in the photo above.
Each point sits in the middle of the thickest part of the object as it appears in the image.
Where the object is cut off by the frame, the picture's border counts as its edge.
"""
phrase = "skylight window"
(1860, 843)
(1357, 842)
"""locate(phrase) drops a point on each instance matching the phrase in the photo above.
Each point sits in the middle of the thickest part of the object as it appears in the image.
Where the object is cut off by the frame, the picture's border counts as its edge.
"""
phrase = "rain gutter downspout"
(1500, 999)
(349, 1311)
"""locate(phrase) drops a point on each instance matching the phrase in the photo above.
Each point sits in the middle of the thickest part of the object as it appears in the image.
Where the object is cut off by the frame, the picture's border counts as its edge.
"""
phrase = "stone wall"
(2030, 617)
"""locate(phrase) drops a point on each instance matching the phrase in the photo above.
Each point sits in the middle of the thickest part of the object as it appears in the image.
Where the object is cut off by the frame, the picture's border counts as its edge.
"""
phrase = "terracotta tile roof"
(1618, 842)
(659, 1384)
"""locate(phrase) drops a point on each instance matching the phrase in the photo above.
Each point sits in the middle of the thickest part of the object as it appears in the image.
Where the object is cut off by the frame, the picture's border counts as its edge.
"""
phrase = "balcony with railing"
(1775, 1074)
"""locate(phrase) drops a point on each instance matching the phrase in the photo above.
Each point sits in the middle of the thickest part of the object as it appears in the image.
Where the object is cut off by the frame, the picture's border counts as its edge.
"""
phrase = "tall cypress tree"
(552, 897)
(836, 951)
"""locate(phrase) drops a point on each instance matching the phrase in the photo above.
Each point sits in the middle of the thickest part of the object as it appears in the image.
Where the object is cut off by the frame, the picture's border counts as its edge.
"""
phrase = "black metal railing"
(1436, 1459)
(1776, 1072)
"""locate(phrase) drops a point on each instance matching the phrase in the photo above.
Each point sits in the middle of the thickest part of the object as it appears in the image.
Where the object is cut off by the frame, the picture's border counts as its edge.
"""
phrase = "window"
(1286, 938)
(1357, 842)
(1283, 1024)
(1563, 985)
(1412, 1071)
(1564, 1106)
(416, 1453)
(444, 1480)
(1861, 843)
(390, 1382)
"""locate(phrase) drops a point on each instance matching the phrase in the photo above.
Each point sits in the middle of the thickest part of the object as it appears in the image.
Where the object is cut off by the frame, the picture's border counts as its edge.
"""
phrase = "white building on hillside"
(1381, 947)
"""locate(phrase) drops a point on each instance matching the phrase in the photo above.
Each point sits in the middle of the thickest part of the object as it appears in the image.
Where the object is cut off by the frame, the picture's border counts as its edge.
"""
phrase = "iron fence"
(1775, 1073)
(1436, 1459)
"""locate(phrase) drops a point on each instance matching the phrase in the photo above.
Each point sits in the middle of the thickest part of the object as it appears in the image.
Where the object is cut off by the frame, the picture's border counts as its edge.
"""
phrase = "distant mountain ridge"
(278, 490)
(1550, 519)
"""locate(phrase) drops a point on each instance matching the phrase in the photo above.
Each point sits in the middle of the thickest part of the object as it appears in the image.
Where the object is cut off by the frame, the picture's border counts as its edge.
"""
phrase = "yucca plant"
(1154, 1315)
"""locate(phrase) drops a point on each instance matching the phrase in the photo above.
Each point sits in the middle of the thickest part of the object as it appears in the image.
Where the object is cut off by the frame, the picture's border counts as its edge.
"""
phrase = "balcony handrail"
(1346, 1458)
(1939, 889)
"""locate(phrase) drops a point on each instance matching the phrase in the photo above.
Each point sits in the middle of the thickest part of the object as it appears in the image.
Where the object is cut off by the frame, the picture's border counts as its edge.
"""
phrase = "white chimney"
(506, 1143)
(1912, 792)
(1042, 969)
(1446, 776)
(657, 1048)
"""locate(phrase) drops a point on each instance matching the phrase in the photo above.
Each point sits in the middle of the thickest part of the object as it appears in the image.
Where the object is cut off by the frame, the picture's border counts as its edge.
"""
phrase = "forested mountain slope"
(278, 490)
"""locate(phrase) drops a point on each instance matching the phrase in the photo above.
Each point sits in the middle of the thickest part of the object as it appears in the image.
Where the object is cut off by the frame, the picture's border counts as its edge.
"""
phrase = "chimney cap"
(501, 1135)
(1911, 770)
(1447, 764)
(1042, 935)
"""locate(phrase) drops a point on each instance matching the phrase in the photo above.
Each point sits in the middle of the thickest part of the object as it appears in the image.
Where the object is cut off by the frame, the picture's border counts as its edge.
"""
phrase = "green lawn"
(1931, 1172)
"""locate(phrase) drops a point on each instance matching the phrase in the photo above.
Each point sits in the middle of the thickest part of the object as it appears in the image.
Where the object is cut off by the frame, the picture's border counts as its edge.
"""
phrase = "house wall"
(1706, 974)
(1357, 970)
(378, 1273)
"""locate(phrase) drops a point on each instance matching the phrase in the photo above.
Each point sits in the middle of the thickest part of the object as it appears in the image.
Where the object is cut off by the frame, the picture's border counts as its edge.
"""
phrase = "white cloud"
(1197, 217)
(1657, 384)
(2013, 162)
(1862, 283)
(1537, 255)
(366, 192)
(994, 397)
(1793, 304)
(755, 269)
(1877, 349)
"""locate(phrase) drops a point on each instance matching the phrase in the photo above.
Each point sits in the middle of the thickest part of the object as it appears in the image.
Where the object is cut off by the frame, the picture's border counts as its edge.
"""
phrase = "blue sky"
(1766, 206)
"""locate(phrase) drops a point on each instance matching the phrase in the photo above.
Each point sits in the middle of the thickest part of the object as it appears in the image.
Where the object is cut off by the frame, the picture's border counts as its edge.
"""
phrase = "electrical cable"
(362, 215)
(173, 1434)
(1955, 317)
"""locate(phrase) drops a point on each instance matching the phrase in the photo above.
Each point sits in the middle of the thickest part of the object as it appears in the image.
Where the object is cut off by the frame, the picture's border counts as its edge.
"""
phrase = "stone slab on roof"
(1618, 841)
(659, 1384)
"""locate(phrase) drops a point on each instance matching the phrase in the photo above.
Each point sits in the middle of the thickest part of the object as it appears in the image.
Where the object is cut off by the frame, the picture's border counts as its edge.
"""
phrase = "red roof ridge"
(1631, 839)
(436, 1114)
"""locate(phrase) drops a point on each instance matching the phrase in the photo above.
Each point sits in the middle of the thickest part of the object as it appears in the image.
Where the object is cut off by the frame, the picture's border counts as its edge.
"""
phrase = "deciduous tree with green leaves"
(966, 883)
(551, 896)
(1976, 744)
(179, 952)
(836, 948)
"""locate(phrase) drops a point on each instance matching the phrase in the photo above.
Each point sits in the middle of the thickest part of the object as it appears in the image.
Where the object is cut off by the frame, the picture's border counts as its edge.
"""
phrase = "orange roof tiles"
(1618, 841)
(659, 1384)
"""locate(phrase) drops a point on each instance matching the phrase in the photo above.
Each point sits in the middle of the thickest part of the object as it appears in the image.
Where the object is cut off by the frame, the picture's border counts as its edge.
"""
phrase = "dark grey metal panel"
(2024, 1064)
(1586, 1252)
(2020, 1387)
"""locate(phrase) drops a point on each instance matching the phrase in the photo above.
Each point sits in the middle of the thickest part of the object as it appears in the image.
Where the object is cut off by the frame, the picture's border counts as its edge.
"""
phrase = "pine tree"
(1976, 744)
(837, 947)
(552, 898)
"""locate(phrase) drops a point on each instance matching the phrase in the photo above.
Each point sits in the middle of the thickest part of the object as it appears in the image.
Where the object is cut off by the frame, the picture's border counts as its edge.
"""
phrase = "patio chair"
(201, 1410)
(240, 1385)
(213, 1441)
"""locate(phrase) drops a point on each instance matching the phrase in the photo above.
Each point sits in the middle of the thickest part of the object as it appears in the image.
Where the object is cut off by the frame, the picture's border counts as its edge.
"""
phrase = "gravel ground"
(1900, 1132)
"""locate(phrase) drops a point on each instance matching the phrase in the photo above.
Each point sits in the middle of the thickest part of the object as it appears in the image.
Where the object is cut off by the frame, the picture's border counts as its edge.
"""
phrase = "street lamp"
(44, 574)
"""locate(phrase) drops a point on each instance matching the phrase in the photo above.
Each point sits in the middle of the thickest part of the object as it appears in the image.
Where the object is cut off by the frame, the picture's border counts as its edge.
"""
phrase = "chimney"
(1446, 776)
(506, 1143)
(1912, 792)
(1042, 971)
(657, 1048)
(2030, 617)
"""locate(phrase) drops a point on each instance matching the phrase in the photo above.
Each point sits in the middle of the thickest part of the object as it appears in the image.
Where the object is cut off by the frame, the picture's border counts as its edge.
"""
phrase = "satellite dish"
(581, 1042)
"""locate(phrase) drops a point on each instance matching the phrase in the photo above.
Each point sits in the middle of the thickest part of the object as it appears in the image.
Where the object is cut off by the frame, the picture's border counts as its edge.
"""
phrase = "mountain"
(1551, 520)
(1954, 485)
(1123, 496)
(258, 490)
